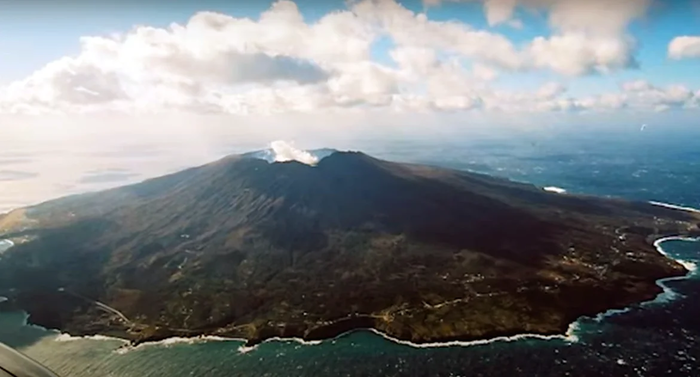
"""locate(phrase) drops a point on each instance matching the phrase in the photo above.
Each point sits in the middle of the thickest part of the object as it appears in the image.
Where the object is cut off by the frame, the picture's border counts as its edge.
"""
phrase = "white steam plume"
(285, 151)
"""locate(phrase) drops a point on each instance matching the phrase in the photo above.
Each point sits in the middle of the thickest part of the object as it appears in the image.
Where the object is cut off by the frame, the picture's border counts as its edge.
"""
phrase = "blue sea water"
(655, 339)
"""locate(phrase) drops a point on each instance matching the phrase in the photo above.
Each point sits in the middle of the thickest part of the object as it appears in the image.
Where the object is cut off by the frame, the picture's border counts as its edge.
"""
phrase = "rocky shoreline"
(335, 329)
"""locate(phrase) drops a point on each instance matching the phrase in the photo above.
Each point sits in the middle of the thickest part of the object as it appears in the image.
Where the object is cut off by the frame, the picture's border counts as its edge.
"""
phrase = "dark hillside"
(242, 247)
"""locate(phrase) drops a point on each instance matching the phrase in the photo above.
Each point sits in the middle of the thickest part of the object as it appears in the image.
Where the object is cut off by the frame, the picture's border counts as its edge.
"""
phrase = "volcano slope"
(250, 249)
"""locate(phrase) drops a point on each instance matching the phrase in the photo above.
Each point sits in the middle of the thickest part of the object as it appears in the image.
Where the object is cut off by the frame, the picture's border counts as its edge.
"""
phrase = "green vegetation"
(244, 248)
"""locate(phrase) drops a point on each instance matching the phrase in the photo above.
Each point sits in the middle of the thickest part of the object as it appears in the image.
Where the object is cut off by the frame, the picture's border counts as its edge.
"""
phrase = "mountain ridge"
(246, 248)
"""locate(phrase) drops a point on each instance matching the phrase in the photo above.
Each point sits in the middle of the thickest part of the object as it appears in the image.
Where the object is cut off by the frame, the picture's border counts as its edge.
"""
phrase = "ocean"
(658, 338)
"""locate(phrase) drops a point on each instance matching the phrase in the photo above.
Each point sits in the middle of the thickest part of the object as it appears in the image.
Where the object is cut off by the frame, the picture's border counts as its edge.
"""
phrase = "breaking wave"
(63, 337)
(554, 189)
(673, 206)
(570, 336)
(169, 342)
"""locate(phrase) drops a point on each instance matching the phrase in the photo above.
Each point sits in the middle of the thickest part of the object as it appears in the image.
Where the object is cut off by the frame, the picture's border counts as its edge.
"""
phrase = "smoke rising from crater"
(286, 151)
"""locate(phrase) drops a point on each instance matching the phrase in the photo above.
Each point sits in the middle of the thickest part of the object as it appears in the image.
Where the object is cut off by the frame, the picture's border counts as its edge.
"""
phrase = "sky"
(88, 87)
(258, 57)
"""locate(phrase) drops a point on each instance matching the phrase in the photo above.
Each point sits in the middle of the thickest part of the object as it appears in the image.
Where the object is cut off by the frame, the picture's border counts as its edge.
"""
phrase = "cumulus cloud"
(408, 29)
(576, 54)
(367, 83)
(280, 63)
(589, 36)
(662, 99)
(499, 11)
(547, 98)
(484, 72)
(637, 96)
(550, 90)
(684, 47)
(203, 65)
(640, 95)
(636, 86)
(590, 16)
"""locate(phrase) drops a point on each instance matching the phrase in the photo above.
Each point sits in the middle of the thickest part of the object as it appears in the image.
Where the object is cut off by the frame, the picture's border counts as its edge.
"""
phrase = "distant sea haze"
(598, 163)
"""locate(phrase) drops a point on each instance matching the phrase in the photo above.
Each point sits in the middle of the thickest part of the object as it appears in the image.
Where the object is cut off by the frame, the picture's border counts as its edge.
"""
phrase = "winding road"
(102, 306)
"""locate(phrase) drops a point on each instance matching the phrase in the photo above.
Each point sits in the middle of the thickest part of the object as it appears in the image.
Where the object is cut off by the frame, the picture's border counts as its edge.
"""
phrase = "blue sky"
(34, 33)
(58, 27)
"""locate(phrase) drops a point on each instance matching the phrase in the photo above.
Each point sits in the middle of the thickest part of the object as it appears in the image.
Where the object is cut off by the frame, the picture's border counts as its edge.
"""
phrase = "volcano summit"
(251, 249)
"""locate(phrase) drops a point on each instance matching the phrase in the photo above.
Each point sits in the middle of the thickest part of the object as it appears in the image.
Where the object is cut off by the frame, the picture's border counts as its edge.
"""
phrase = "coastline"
(569, 335)
(676, 207)
(668, 293)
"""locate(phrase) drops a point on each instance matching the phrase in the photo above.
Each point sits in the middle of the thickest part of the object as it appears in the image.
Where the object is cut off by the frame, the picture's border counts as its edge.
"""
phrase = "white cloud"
(484, 72)
(203, 65)
(612, 101)
(281, 63)
(636, 86)
(463, 102)
(499, 11)
(594, 17)
(576, 54)
(416, 61)
(643, 95)
(636, 96)
(598, 17)
(550, 90)
(408, 29)
(366, 83)
(589, 36)
(601, 103)
(684, 47)
(547, 98)
(516, 24)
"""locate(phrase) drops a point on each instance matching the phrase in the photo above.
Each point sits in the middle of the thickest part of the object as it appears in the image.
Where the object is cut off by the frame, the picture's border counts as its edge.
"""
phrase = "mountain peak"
(283, 151)
(243, 246)
(347, 157)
